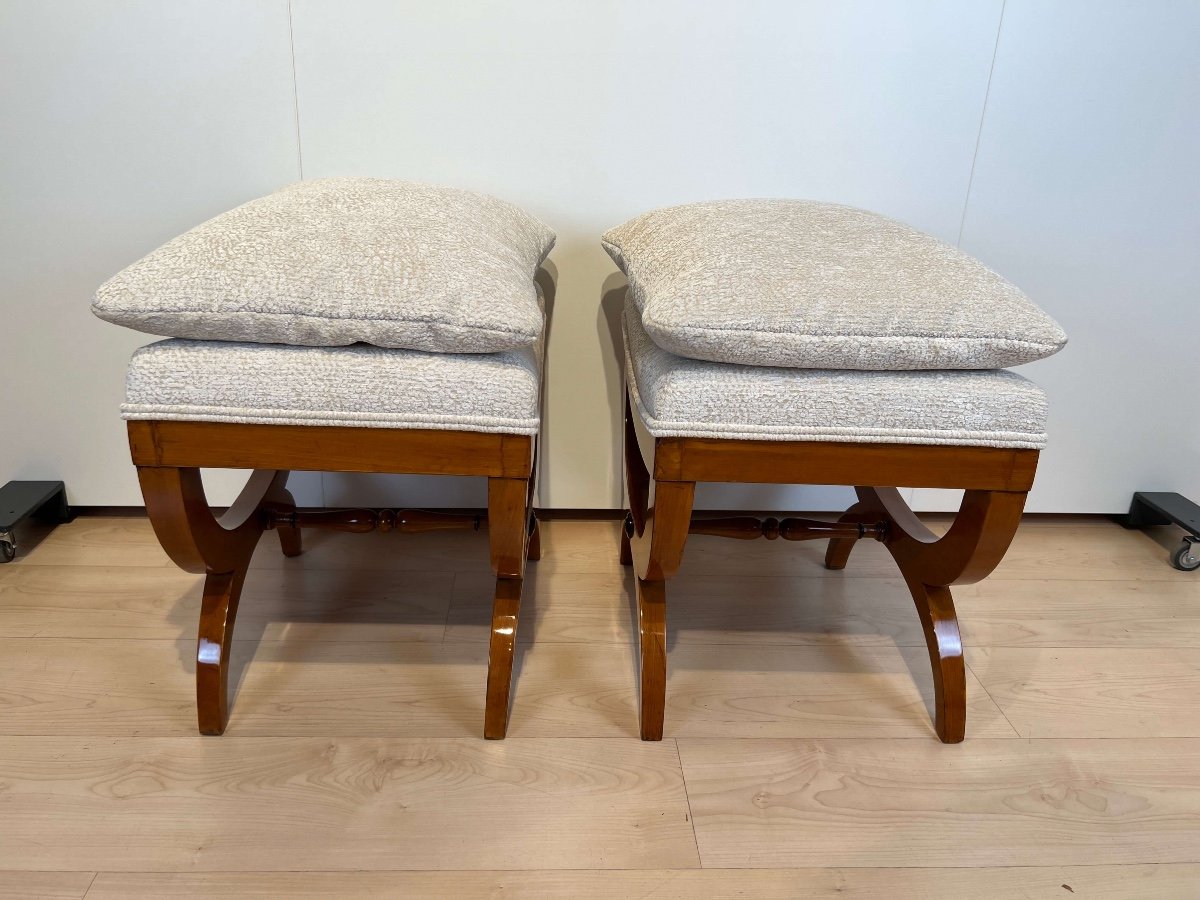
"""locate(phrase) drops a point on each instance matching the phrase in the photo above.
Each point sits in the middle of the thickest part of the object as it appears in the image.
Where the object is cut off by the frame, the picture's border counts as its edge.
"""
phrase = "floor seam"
(688, 797)
(999, 708)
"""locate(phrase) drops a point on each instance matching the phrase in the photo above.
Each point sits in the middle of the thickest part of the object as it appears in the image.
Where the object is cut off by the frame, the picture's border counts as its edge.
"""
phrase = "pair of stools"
(362, 325)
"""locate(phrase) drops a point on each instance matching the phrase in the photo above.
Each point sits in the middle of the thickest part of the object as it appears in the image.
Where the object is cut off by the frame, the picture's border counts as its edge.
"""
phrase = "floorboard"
(800, 759)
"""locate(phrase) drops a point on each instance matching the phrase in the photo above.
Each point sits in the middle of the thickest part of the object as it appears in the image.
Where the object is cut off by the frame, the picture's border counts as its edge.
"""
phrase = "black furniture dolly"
(1164, 508)
(43, 501)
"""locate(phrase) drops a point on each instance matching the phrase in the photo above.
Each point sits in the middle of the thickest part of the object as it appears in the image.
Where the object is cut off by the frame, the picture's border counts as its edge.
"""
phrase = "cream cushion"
(360, 385)
(336, 261)
(676, 396)
(814, 285)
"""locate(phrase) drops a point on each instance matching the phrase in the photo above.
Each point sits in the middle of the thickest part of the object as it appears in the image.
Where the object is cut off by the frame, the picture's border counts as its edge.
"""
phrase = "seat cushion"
(360, 385)
(676, 396)
(814, 285)
(336, 261)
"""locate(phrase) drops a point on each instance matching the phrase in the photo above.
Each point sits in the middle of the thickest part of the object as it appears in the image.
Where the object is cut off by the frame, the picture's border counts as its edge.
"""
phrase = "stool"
(689, 420)
(275, 408)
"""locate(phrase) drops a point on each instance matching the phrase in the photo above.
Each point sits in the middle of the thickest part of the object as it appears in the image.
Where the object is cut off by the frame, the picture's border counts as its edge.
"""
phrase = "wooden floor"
(800, 759)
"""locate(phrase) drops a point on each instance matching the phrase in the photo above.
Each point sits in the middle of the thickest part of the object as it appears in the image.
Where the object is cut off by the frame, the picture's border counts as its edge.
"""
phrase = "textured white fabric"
(695, 398)
(814, 285)
(360, 385)
(339, 260)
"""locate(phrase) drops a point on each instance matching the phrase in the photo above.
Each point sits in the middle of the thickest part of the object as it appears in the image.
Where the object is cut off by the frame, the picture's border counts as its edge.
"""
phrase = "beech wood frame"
(995, 484)
(170, 454)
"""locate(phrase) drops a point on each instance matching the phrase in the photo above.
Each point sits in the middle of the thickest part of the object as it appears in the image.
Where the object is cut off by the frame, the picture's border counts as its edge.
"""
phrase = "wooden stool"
(338, 409)
(978, 431)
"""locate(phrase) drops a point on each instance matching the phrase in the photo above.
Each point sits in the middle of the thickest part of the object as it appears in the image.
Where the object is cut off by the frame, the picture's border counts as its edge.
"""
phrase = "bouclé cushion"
(683, 397)
(802, 284)
(337, 261)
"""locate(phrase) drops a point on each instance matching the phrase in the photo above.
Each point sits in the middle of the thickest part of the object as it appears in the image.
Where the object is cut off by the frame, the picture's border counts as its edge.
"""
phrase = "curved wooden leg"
(220, 549)
(289, 535)
(652, 659)
(935, 606)
(838, 552)
(652, 540)
(971, 548)
(657, 553)
(508, 533)
(500, 656)
(214, 641)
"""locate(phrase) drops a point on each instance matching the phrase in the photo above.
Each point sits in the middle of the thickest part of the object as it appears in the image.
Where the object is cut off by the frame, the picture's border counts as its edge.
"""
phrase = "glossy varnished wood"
(653, 542)
(832, 462)
(995, 484)
(508, 532)
(364, 521)
(329, 448)
(968, 552)
(748, 528)
(169, 455)
(220, 549)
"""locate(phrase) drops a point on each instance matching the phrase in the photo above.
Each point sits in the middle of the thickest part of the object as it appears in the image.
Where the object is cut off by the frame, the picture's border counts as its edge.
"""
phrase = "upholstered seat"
(680, 397)
(339, 325)
(358, 386)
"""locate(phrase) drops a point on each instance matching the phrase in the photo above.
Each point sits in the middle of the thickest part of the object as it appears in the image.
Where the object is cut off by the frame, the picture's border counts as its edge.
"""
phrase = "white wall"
(1056, 140)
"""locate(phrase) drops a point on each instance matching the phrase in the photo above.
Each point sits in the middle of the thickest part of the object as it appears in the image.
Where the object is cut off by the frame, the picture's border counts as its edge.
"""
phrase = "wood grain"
(291, 687)
(78, 687)
(98, 541)
(561, 607)
(44, 885)
(329, 448)
(1096, 550)
(1065, 613)
(149, 602)
(447, 551)
(882, 802)
(1094, 692)
(341, 803)
(1014, 883)
(832, 462)
(801, 697)
(825, 691)
(835, 609)
(579, 547)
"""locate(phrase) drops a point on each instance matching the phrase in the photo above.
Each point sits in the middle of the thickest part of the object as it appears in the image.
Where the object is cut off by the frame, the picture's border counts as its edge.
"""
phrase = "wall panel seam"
(987, 92)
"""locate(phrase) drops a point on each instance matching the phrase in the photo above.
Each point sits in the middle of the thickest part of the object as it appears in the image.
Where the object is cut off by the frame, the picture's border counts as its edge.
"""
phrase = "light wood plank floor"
(800, 759)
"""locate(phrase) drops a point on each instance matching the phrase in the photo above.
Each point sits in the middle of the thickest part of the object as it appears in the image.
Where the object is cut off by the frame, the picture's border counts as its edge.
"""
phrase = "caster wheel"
(1186, 558)
(7, 551)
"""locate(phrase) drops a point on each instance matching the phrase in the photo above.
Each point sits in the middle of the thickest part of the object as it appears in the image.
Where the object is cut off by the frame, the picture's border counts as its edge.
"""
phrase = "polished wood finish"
(169, 455)
(837, 554)
(655, 547)
(508, 533)
(995, 484)
(363, 521)
(199, 542)
(329, 448)
(748, 528)
(220, 549)
(973, 546)
(831, 462)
